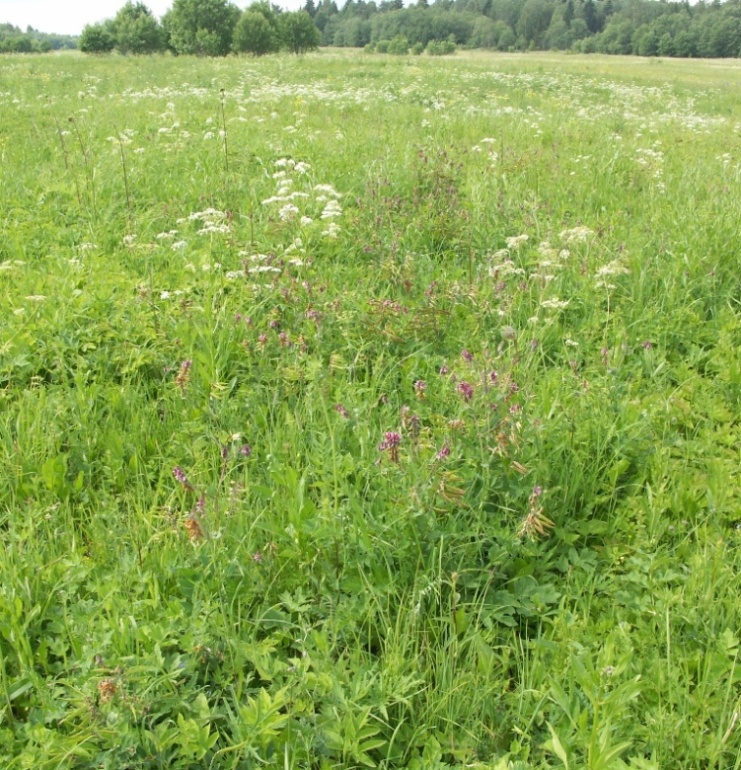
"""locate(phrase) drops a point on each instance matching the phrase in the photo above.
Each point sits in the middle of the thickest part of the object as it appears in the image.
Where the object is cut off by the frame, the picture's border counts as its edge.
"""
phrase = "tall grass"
(369, 412)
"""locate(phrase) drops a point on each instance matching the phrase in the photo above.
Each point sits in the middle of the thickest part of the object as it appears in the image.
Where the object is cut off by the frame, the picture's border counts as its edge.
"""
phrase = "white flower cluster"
(301, 205)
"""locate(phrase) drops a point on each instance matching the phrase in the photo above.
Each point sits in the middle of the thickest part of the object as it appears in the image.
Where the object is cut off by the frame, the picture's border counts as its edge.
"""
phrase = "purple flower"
(443, 453)
(444, 370)
(201, 505)
(465, 389)
(391, 439)
(341, 410)
(494, 377)
(180, 477)
(420, 386)
(467, 356)
(245, 450)
(647, 345)
(225, 452)
(390, 443)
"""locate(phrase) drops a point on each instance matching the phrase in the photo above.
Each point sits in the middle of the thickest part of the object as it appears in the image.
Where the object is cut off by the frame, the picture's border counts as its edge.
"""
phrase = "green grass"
(209, 561)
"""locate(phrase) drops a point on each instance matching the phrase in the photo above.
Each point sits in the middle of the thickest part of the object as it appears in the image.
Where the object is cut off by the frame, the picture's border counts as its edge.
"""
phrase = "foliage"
(137, 31)
(98, 38)
(201, 27)
(257, 31)
(298, 32)
(369, 411)
(643, 27)
(14, 40)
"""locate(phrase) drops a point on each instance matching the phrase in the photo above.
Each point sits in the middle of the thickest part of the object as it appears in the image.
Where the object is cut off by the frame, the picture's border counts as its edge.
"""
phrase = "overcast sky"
(68, 17)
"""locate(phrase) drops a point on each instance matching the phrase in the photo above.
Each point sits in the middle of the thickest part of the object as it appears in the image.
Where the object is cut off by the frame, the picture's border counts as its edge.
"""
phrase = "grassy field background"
(370, 411)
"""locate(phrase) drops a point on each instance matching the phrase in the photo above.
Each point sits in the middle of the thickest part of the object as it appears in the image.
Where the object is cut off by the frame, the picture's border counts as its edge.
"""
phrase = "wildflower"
(332, 231)
(285, 340)
(331, 209)
(494, 377)
(443, 453)
(245, 450)
(420, 386)
(535, 523)
(555, 304)
(516, 241)
(106, 690)
(181, 478)
(465, 389)
(390, 443)
(288, 212)
(444, 370)
(647, 345)
(576, 235)
(194, 529)
(183, 376)
(341, 410)
(467, 356)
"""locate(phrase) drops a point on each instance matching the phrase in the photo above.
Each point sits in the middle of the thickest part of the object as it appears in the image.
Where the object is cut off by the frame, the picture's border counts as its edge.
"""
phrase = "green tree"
(97, 38)
(137, 31)
(202, 27)
(534, 21)
(254, 34)
(299, 33)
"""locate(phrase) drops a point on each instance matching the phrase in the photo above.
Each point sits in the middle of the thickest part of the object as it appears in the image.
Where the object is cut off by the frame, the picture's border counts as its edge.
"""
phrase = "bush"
(417, 49)
(441, 47)
(399, 46)
(382, 46)
(97, 38)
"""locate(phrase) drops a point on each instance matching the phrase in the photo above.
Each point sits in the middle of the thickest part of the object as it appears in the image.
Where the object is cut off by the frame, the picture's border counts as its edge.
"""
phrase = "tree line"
(218, 27)
(643, 27)
(15, 40)
(202, 28)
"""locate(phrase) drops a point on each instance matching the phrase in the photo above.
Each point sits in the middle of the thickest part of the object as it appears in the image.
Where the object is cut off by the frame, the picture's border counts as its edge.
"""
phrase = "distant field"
(363, 411)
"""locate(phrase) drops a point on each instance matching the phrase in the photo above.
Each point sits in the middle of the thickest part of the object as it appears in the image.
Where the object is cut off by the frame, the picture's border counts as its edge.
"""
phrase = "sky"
(68, 17)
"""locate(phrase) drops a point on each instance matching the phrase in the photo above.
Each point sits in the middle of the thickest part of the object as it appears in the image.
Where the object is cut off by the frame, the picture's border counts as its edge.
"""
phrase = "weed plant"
(370, 412)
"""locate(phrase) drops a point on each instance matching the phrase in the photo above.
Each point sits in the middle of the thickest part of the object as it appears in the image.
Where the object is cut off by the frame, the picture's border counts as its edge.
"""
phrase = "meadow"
(367, 411)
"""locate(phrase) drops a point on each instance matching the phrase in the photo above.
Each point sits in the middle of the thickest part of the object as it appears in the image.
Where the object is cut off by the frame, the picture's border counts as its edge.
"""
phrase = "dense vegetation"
(360, 411)
(218, 27)
(204, 28)
(14, 40)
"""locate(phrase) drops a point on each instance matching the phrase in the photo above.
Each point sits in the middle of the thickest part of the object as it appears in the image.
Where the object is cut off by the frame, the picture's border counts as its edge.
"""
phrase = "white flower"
(331, 209)
(515, 241)
(332, 231)
(612, 268)
(288, 212)
(576, 235)
(555, 304)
